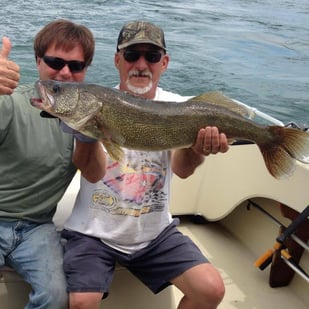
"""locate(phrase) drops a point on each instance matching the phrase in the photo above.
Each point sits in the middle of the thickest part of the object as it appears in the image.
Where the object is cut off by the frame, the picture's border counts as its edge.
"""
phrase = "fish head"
(71, 102)
(55, 97)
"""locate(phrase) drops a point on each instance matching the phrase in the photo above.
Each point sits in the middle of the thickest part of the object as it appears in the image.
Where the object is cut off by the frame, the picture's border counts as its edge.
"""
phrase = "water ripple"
(255, 51)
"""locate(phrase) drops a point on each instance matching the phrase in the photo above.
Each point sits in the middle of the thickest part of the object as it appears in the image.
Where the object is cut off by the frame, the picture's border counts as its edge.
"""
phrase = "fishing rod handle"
(263, 261)
(293, 226)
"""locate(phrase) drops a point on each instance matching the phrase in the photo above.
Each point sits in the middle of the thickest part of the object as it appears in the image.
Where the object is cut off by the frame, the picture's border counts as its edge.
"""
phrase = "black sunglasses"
(152, 56)
(56, 63)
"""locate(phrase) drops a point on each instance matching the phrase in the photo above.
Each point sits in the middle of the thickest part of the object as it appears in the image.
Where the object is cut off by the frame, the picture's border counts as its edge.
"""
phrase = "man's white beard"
(139, 90)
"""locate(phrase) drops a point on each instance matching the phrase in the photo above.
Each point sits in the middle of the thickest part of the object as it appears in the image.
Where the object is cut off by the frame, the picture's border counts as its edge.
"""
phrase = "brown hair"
(65, 35)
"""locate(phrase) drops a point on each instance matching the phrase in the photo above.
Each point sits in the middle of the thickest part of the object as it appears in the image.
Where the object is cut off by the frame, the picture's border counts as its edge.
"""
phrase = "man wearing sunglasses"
(125, 216)
(36, 162)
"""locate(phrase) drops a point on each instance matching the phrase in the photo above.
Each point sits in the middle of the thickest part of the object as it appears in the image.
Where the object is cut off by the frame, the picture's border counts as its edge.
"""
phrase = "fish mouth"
(47, 98)
(45, 101)
(36, 102)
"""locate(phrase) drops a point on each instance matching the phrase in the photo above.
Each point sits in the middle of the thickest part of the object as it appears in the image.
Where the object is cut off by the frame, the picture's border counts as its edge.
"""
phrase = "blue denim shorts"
(35, 252)
(89, 264)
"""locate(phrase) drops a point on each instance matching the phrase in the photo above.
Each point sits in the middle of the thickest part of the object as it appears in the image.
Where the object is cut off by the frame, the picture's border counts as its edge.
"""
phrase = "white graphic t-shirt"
(128, 207)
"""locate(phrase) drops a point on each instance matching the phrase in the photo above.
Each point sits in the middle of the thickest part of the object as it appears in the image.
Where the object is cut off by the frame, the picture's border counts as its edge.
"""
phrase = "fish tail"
(287, 146)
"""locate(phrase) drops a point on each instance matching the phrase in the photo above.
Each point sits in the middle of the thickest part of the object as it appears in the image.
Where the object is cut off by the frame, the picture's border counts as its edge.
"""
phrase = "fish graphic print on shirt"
(134, 187)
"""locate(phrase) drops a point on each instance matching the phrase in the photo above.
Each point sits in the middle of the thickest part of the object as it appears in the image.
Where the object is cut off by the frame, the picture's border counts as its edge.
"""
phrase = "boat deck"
(246, 286)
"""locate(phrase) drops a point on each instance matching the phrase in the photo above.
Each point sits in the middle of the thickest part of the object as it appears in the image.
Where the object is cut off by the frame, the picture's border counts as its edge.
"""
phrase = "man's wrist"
(78, 136)
(83, 138)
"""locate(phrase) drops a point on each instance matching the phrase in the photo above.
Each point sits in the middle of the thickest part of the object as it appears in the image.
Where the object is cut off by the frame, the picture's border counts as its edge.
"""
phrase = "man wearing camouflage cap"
(140, 32)
(125, 217)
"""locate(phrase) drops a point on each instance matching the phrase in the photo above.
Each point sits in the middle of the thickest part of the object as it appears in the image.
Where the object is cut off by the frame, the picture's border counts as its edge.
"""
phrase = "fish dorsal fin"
(219, 99)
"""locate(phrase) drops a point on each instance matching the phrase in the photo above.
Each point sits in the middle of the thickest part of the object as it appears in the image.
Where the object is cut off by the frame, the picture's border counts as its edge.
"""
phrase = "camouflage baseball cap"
(138, 32)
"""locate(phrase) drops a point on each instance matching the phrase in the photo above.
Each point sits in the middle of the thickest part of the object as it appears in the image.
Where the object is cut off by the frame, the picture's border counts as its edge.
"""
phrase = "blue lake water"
(254, 51)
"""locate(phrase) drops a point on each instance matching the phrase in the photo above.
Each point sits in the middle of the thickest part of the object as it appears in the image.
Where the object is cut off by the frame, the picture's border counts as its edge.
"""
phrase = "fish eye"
(56, 88)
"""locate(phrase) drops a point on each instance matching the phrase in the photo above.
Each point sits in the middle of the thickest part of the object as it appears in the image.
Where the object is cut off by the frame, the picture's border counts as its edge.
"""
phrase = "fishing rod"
(288, 259)
(288, 232)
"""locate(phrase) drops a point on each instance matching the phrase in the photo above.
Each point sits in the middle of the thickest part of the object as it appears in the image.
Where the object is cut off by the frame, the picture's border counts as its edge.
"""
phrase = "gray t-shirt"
(35, 159)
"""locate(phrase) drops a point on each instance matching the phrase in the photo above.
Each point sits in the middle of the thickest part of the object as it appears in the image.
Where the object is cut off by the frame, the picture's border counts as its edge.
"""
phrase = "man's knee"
(213, 292)
(85, 300)
(202, 286)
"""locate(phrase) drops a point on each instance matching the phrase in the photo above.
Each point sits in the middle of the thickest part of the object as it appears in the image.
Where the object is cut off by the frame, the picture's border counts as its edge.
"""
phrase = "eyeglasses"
(56, 63)
(152, 56)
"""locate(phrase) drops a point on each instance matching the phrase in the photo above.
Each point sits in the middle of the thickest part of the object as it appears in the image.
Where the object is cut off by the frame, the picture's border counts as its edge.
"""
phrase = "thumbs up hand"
(9, 70)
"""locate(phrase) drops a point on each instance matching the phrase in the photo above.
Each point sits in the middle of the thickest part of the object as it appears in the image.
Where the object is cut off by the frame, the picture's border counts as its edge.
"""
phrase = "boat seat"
(126, 292)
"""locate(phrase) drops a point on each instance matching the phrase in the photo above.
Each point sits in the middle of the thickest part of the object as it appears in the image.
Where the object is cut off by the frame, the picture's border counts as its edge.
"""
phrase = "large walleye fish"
(119, 119)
